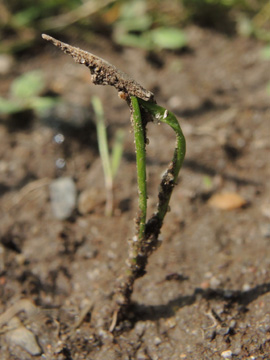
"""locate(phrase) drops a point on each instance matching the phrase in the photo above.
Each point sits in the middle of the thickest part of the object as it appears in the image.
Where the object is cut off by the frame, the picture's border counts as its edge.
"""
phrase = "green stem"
(139, 136)
(147, 233)
(169, 179)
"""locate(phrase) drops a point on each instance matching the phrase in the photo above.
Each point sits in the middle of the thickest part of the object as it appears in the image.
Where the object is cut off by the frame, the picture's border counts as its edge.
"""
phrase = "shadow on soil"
(242, 298)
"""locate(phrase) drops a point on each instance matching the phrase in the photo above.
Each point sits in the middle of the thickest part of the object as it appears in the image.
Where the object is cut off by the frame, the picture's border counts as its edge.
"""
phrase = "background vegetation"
(144, 23)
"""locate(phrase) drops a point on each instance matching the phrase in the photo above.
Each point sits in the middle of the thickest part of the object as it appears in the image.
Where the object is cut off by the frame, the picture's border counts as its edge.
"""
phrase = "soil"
(206, 294)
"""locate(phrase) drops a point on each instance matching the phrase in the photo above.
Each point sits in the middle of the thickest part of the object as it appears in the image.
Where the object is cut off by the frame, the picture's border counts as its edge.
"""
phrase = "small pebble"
(232, 324)
(141, 355)
(246, 287)
(6, 63)
(227, 354)
(214, 282)
(140, 328)
(157, 341)
(22, 337)
(63, 197)
(226, 201)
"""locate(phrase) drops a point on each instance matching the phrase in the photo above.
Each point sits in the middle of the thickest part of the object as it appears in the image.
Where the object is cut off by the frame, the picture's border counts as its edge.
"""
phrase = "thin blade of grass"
(104, 153)
(117, 151)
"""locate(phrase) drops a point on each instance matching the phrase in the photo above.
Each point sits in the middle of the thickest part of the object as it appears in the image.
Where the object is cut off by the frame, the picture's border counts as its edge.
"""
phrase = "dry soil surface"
(206, 294)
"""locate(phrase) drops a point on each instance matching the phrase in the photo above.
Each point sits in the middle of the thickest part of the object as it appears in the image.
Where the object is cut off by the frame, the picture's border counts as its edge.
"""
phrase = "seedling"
(143, 110)
(111, 163)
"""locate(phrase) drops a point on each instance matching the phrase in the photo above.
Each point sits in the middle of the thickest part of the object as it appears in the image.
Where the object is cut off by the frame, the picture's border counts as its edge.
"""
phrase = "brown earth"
(206, 294)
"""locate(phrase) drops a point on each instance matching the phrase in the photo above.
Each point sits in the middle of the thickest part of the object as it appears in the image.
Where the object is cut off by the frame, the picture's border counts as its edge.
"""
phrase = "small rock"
(157, 341)
(141, 355)
(214, 282)
(227, 201)
(264, 325)
(246, 287)
(22, 337)
(6, 63)
(227, 354)
(140, 328)
(63, 197)
(232, 324)
(170, 323)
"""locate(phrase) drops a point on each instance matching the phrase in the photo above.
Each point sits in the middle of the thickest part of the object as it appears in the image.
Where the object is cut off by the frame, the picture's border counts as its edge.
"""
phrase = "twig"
(104, 73)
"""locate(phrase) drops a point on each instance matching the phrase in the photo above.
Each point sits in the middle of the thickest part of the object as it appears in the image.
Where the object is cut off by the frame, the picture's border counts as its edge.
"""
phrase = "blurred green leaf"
(25, 17)
(162, 38)
(24, 93)
(9, 106)
(266, 52)
(28, 85)
(133, 9)
(244, 26)
(207, 182)
(140, 41)
(141, 23)
(41, 104)
(168, 38)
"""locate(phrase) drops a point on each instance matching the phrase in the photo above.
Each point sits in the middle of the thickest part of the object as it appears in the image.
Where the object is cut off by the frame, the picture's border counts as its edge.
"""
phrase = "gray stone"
(63, 196)
(21, 336)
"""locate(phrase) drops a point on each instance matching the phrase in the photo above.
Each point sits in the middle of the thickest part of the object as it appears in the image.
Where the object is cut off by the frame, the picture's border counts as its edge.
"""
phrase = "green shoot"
(146, 240)
(169, 178)
(110, 164)
(143, 108)
(141, 166)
